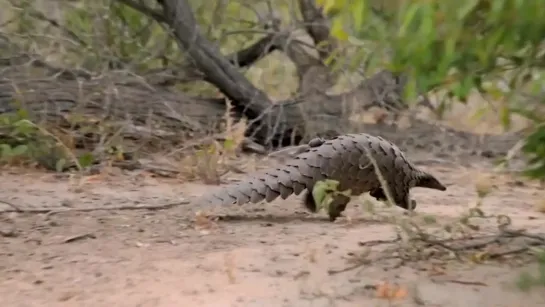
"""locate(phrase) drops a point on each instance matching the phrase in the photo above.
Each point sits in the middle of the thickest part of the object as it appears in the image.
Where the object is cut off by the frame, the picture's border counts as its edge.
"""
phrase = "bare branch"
(255, 52)
(207, 58)
(246, 98)
(314, 75)
(242, 58)
(39, 15)
(317, 26)
(51, 211)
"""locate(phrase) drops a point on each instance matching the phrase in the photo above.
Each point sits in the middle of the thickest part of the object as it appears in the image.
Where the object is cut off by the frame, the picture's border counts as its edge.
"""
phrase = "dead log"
(53, 101)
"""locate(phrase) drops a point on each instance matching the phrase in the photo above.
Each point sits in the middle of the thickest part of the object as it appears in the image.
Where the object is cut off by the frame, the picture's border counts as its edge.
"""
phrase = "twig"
(79, 237)
(346, 269)
(462, 282)
(288, 152)
(361, 262)
(51, 211)
(15, 207)
(39, 15)
(443, 243)
(379, 242)
(34, 60)
(523, 233)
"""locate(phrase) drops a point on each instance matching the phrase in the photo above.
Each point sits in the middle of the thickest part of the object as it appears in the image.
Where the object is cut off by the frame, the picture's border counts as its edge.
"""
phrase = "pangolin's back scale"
(343, 158)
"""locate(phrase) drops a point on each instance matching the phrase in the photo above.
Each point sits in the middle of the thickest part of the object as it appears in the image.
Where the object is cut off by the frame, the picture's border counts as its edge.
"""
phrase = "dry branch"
(51, 211)
(317, 27)
(282, 123)
(208, 59)
(420, 247)
(246, 98)
(242, 58)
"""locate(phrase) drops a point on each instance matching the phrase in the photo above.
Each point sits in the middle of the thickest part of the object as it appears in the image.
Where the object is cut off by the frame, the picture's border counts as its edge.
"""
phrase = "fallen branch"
(15, 207)
(461, 282)
(51, 211)
(476, 245)
(79, 238)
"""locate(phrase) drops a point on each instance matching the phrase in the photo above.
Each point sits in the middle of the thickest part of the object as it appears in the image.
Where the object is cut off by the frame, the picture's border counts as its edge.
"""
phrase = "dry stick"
(512, 152)
(387, 192)
(504, 234)
(462, 282)
(15, 207)
(443, 244)
(89, 209)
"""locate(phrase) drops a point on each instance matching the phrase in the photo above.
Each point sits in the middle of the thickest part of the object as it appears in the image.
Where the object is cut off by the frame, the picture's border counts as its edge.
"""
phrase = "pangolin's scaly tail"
(298, 174)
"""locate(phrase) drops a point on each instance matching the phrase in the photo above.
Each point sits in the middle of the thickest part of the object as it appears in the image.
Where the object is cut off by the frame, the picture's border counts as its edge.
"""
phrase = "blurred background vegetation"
(483, 57)
(458, 47)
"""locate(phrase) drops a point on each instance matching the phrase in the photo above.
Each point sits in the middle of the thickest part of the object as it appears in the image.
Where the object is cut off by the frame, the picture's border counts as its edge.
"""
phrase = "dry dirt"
(258, 255)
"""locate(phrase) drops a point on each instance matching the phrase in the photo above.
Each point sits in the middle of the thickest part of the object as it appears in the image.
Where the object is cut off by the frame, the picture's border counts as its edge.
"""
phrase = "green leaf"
(22, 113)
(86, 159)
(408, 18)
(19, 150)
(337, 30)
(463, 88)
(410, 89)
(319, 194)
(5, 150)
(427, 27)
(359, 9)
(505, 117)
(323, 192)
(24, 127)
(229, 144)
(466, 8)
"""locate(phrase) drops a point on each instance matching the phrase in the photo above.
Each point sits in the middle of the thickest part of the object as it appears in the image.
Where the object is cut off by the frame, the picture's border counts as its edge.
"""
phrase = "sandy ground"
(257, 255)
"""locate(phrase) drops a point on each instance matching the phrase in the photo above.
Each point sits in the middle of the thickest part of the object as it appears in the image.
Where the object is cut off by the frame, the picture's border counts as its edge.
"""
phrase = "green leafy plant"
(324, 192)
(23, 141)
(17, 137)
(526, 280)
(458, 48)
(534, 147)
(117, 35)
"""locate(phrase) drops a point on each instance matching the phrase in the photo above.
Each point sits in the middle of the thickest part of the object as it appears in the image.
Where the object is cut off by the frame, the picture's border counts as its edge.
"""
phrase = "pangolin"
(344, 158)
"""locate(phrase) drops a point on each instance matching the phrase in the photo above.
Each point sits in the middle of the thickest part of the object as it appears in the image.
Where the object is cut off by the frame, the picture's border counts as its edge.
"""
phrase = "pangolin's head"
(426, 180)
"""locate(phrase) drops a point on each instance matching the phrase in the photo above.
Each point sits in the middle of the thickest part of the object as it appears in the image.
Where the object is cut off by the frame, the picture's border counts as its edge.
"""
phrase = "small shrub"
(526, 280)
(24, 142)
